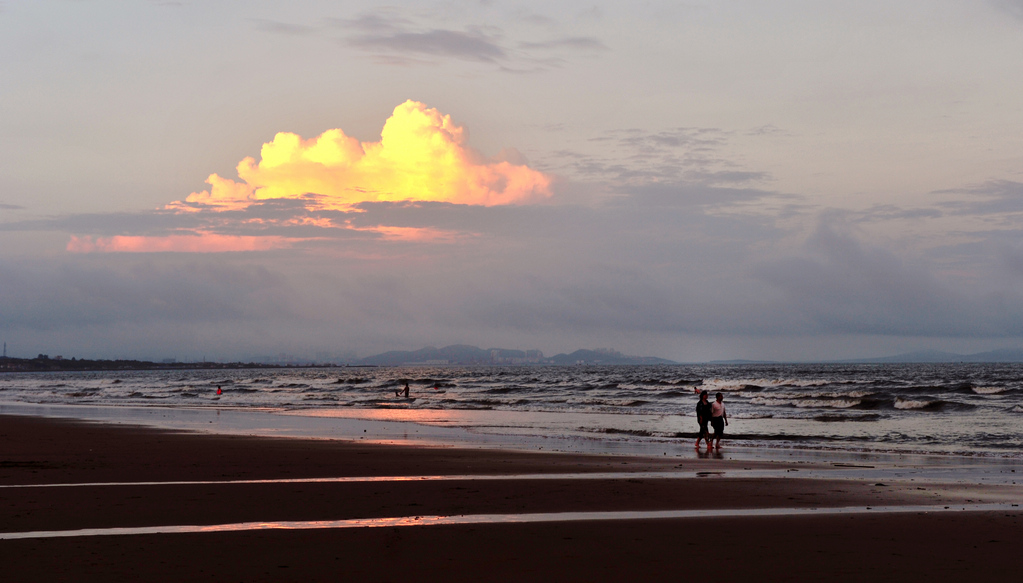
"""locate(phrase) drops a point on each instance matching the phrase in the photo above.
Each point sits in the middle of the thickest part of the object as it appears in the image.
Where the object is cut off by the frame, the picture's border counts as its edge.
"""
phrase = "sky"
(786, 180)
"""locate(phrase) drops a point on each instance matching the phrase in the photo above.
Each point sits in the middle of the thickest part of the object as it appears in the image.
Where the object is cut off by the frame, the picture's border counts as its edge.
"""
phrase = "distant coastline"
(46, 364)
(458, 355)
(464, 355)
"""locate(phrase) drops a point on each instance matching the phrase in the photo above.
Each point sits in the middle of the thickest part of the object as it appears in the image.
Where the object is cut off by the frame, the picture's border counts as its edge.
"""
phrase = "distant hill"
(605, 357)
(463, 354)
(741, 361)
(937, 356)
(455, 354)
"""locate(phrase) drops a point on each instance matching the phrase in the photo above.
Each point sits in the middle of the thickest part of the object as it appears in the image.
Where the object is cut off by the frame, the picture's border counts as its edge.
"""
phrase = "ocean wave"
(792, 395)
(614, 431)
(835, 418)
(827, 403)
(990, 390)
(752, 384)
(901, 403)
(953, 388)
(1016, 409)
(352, 381)
(807, 403)
(690, 382)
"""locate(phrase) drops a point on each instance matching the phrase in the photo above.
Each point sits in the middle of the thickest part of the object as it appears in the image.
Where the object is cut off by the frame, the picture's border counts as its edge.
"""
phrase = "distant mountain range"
(920, 356)
(1002, 355)
(463, 354)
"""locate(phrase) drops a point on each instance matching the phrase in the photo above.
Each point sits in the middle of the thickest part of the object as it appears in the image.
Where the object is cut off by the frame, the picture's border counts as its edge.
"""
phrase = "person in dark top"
(703, 418)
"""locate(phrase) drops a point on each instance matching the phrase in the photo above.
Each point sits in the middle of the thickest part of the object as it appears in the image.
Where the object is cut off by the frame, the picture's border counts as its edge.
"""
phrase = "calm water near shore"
(937, 408)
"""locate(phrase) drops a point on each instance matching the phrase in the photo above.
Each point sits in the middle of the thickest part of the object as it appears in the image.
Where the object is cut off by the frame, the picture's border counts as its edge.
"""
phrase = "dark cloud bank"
(648, 268)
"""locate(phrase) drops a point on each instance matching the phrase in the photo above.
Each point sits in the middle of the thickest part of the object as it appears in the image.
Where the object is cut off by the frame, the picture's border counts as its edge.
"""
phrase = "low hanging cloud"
(198, 242)
(422, 157)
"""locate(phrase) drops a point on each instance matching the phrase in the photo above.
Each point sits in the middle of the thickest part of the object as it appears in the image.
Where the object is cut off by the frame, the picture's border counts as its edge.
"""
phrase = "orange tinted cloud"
(421, 156)
(415, 234)
(197, 243)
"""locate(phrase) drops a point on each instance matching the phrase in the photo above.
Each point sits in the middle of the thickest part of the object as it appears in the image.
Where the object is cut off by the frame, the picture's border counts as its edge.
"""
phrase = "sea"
(952, 409)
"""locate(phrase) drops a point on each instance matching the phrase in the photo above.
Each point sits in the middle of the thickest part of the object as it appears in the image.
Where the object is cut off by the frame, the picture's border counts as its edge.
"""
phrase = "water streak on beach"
(939, 408)
(407, 521)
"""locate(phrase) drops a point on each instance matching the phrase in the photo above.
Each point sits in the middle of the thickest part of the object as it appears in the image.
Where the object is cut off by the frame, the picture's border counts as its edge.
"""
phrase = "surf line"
(408, 521)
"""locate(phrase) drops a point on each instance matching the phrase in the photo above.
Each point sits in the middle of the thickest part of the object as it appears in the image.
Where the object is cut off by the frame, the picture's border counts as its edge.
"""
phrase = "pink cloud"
(194, 243)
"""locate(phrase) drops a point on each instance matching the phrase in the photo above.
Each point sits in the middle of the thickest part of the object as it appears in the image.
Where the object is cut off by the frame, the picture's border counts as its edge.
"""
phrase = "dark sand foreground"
(936, 546)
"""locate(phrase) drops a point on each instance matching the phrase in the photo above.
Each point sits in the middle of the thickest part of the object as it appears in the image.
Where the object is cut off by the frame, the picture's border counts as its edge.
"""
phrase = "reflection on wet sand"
(404, 521)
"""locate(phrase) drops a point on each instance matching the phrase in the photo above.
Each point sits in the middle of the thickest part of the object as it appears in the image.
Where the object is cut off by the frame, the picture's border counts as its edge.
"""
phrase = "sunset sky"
(692, 180)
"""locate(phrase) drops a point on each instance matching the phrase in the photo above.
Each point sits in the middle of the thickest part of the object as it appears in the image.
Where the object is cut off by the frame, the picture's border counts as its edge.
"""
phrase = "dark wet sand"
(903, 547)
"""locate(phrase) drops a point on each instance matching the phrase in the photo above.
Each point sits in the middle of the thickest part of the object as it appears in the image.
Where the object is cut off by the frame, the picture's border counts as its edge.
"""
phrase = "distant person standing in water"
(398, 393)
(718, 419)
(703, 417)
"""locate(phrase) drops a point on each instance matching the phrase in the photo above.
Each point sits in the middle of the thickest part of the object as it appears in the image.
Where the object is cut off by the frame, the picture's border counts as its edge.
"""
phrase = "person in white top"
(718, 419)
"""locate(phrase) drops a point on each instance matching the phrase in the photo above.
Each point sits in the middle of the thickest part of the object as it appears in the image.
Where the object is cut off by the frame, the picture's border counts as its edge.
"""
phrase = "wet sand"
(933, 546)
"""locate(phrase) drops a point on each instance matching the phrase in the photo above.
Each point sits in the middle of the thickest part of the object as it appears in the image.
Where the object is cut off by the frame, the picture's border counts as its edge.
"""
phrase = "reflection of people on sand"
(398, 393)
(703, 418)
(718, 419)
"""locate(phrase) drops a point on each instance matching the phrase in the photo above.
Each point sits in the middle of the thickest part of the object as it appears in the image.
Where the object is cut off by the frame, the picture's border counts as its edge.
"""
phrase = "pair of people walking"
(713, 414)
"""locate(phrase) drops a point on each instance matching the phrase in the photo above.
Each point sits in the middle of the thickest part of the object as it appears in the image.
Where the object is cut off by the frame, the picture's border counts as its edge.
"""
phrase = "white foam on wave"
(989, 390)
(806, 403)
(901, 403)
(827, 403)
(718, 384)
(771, 402)
(822, 395)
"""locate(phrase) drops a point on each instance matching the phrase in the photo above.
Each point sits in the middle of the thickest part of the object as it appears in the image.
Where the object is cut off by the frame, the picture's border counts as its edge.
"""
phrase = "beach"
(238, 480)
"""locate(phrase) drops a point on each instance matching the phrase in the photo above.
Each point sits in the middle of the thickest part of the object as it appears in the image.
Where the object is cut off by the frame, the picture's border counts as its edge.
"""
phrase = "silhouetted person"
(703, 418)
(398, 393)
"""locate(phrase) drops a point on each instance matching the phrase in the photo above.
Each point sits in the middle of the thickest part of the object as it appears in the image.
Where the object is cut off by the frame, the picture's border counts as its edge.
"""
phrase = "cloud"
(475, 46)
(284, 28)
(10, 207)
(303, 192)
(198, 242)
(421, 156)
(997, 197)
(51, 295)
(397, 39)
(573, 42)
(887, 212)
(1013, 7)
(844, 286)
